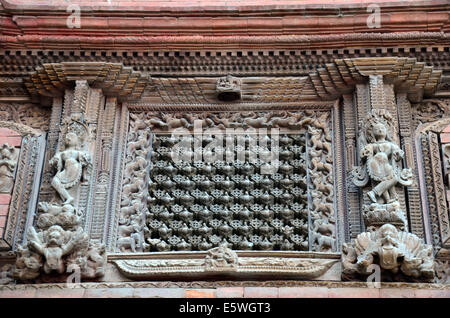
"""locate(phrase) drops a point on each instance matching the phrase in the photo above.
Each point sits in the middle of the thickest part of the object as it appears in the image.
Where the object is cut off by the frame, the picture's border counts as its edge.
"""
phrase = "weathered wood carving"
(380, 164)
(386, 242)
(223, 260)
(183, 205)
(8, 162)
(59, 244)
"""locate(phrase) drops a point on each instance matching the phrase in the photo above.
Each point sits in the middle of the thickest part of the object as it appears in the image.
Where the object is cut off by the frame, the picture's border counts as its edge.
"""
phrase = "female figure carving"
(380, 163)
(70, 165)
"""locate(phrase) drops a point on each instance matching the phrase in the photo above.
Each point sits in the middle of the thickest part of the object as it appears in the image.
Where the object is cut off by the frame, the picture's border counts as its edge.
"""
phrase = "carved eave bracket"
(408, 75)
(328, 83)
(113, 78)
(236, 264)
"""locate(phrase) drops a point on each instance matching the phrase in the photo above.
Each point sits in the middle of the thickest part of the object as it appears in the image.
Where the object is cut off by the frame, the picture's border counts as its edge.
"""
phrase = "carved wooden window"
(199, 207)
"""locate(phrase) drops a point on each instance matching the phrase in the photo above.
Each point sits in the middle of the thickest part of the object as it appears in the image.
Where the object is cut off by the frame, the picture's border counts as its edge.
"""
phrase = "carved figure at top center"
(70, 165)
(380, 161)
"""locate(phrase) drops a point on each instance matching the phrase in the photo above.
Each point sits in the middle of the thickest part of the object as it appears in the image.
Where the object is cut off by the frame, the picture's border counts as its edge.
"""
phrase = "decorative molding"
(196, 265)
(219, 62)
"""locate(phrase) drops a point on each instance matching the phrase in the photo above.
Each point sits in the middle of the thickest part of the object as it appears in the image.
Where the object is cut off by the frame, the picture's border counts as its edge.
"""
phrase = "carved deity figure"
(51, 244)
(380, 161)
(71, 164)
(221, 257)
(8, 162)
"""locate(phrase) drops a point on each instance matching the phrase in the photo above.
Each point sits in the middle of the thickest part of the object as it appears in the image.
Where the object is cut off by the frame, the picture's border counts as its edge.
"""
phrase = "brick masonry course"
(225, 292)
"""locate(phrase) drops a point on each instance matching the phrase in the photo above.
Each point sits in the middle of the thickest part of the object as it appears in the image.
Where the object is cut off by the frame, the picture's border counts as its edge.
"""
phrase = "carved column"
(386, 167)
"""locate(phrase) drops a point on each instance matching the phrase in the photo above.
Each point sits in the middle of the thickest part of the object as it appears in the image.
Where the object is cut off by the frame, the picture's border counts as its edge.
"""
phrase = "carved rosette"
(58, 244)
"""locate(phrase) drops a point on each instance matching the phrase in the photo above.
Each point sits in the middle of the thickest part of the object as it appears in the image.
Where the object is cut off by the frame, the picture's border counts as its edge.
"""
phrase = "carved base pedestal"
(375, 215)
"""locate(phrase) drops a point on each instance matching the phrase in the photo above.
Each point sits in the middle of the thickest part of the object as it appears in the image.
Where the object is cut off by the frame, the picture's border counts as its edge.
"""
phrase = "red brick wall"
(343, 291)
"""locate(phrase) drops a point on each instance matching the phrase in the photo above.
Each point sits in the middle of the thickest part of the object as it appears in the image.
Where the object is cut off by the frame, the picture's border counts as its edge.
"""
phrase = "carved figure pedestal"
(375, 215)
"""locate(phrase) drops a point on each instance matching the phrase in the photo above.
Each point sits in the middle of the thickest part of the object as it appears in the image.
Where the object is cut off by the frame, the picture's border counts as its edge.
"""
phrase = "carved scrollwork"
(26, 114)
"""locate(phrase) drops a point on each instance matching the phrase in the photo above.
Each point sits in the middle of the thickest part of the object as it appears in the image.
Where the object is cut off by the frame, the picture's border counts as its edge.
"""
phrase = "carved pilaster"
(353, 202)
(114, 200)
(387, 234)
(340, 175)
(57, 242)
(405, 124)
(104, 147)
(377, 92)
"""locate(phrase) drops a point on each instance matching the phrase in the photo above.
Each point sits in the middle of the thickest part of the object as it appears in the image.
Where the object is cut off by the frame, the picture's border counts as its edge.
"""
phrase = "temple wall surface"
(222, 149)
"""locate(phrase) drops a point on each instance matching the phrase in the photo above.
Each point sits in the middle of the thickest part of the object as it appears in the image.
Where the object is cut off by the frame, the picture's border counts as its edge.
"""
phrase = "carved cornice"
(215, 24)
(238, 62)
